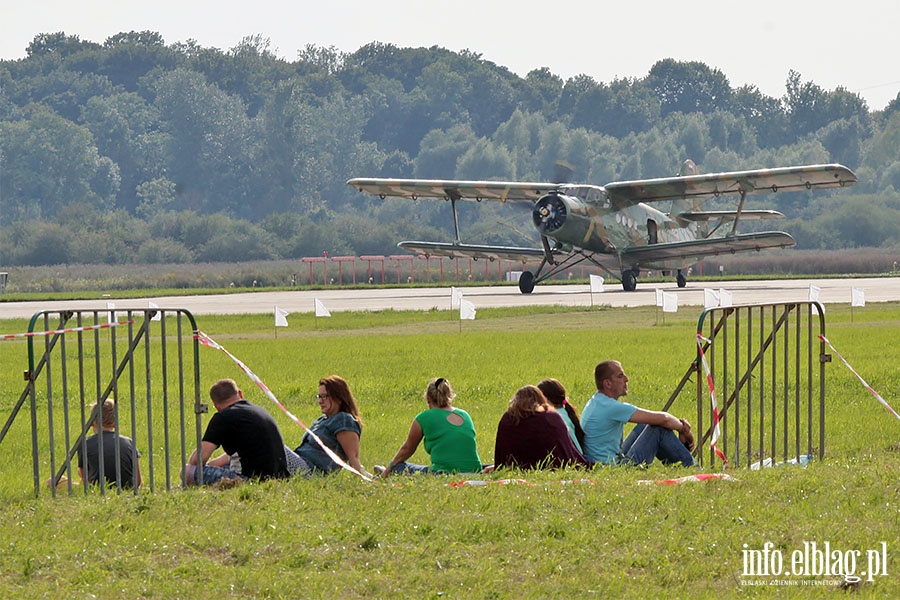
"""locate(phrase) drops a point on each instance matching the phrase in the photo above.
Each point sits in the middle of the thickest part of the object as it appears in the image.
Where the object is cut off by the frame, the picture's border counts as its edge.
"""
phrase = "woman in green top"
(448, 432)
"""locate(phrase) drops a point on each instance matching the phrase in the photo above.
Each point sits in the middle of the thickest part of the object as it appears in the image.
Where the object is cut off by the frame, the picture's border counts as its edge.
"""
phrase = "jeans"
(410, 468)
(296, 465)
(210, 474)
(646, 442)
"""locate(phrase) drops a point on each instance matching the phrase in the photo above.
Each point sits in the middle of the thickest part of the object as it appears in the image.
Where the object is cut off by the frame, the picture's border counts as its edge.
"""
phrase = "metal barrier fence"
(768, 367)
(146, 360)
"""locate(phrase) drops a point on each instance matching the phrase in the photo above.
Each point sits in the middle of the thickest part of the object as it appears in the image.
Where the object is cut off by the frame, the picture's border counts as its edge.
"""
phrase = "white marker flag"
(659, 297)
(710, 298)
(725, 298)
(814, 296)
(857, 297)
(596, 284)
(281, 317)
(111, 315)
(670, 302)
(466, 310)
(321, 311)
(158, 315)
(455, 297)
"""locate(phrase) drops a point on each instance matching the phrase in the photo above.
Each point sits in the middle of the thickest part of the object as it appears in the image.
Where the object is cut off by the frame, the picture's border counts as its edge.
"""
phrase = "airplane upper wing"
(447, 189)
(758, 181)
(707, 247)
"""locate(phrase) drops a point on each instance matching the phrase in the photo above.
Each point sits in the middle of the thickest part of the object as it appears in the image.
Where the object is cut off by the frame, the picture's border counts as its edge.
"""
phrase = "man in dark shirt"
(128, 467)
(247, 433)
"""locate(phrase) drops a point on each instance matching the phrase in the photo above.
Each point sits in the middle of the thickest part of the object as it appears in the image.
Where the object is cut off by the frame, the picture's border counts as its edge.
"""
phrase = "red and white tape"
(712, 399)
(852, 370)
(29, 334)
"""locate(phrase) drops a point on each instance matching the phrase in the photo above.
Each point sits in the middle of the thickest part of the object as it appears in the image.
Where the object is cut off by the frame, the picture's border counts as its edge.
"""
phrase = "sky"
(831, 43)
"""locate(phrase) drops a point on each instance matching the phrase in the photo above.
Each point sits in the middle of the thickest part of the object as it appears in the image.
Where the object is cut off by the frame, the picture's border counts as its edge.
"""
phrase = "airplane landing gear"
(526, 282)
(629, 280)
(680, 279)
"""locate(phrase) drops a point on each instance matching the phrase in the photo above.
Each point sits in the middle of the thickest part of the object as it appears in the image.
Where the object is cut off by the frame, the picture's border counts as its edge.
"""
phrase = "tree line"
(135, 151)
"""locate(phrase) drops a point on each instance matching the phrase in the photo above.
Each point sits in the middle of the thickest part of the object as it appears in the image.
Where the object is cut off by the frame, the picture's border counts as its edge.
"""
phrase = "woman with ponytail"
(448, 433)
(559, 400)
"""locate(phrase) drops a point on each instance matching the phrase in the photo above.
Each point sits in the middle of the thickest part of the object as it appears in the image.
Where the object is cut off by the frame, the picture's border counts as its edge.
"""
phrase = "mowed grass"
(563, 534)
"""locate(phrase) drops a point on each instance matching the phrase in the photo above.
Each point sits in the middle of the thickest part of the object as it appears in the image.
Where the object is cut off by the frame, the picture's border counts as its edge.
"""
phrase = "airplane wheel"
(629, 281)
(680, 279)
(526, 282)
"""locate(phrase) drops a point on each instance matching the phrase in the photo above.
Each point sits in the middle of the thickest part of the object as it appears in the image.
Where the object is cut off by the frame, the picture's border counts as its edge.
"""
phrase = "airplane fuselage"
(584, 217)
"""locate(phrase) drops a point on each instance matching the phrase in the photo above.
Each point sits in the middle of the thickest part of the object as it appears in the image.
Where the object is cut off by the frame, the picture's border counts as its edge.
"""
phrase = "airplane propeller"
(549, 213)
(562, 172)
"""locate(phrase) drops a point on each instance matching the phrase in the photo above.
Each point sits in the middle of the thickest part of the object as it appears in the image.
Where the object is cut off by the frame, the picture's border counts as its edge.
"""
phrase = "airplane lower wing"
(639, 256)
(510, 253)
(646, 256)
(729, 215)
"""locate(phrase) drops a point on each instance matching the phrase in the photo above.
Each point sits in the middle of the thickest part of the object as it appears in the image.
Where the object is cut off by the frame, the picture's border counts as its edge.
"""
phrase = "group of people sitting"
(540, 429)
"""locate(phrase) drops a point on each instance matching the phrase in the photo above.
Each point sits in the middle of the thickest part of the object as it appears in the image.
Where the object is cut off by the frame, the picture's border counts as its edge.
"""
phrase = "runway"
(337, 299)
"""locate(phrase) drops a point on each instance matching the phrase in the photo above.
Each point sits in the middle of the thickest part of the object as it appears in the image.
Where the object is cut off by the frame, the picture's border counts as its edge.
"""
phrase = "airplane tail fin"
(686, 205)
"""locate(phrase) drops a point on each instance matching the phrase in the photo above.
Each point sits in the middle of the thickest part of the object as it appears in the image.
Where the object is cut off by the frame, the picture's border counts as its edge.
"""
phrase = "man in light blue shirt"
(603, 421)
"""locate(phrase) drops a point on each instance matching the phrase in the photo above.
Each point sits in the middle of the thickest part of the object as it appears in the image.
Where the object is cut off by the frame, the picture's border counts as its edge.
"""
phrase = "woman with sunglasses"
(448, 433)
(339, 428)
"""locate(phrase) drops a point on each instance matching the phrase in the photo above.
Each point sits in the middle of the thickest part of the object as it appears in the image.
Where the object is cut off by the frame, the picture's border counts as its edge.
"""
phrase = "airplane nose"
(549, 214)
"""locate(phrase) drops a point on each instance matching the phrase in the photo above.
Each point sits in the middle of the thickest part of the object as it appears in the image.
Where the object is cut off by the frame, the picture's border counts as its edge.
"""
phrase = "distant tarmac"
(337, 299)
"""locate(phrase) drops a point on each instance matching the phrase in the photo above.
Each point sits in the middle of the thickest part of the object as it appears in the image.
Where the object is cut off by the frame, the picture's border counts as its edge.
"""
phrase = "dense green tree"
(766, 115)
(861, 221)
(884, 146)
(214, 147)
(163, 252)
(126, 127)
(520, 135)
(688, 86)
(63, 91)
(893, 106)
(57, 45)
(486, 160)
(154, 196)
(49, 162)
(249, 71)
(441, 150)
(573, 89)
(129, 56)
(691, 133)
(37, 243)
(102, 237)
(543, 90)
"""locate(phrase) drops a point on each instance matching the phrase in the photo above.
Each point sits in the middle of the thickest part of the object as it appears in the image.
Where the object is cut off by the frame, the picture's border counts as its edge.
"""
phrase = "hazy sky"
(849, 44)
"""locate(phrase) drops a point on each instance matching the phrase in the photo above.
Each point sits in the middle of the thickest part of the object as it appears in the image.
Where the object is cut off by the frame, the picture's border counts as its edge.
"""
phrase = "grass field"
(602, 534)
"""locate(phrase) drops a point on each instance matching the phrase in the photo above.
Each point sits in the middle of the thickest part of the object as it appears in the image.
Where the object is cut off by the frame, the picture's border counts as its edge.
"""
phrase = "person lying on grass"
(448, 432)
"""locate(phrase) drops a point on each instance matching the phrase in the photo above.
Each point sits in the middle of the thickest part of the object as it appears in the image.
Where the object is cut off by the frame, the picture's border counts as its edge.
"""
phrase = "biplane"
(616, 226)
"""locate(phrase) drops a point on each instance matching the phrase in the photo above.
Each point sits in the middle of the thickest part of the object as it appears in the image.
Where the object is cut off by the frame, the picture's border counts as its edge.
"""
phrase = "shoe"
(379, 469)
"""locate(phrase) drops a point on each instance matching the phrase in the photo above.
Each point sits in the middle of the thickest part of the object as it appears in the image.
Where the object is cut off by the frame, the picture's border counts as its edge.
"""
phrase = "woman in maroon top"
(531, 435)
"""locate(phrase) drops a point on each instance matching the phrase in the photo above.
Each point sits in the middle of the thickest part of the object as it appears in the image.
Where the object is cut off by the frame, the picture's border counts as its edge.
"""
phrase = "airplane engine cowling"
(560, 216)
